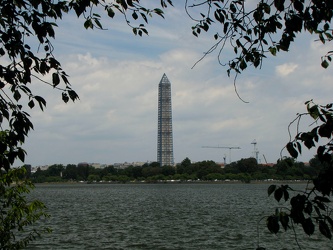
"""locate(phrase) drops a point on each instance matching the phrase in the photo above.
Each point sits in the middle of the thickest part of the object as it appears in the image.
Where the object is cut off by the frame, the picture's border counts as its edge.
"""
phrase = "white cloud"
(286, 69)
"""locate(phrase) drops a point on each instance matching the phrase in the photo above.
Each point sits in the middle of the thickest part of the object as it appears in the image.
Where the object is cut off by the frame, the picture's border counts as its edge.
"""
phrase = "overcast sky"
(116, 75)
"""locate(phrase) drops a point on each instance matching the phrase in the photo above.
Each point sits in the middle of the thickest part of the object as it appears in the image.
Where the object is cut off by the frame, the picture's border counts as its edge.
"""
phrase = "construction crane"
(255, 150)
(265, 158)
(230, 148)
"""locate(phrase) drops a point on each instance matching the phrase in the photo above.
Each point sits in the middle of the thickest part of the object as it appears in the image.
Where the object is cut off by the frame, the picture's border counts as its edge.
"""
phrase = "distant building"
(122, 165)
(83, 164)
(98, 165)
(43, 168)
(164, 134)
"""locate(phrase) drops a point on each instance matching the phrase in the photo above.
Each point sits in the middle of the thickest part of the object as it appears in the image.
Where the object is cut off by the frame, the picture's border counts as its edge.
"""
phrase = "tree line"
(244, 170)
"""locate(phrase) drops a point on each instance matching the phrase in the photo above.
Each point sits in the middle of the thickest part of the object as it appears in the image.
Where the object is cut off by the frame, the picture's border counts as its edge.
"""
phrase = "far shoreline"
(271, 182)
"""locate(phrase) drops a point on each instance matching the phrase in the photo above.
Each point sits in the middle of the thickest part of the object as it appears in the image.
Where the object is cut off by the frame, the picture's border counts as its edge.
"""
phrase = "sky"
(116, 76)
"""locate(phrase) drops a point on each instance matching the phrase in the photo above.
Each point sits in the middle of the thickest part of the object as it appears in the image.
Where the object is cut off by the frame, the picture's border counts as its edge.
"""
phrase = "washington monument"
(164, 136)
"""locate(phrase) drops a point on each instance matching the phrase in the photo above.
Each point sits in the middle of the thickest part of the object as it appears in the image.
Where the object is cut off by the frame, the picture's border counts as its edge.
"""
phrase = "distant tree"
(155, 164)
(186, 162)
(109, 170)
(38, 176)
(168, 171)
(151, 171)
(204, 168)
(137, 172)
(70, 172)
(247, 165)
(93, 178)
(231, 168)
(283, 165)
(83, 171)
(123, 178)
(214, 176)
(55, 170)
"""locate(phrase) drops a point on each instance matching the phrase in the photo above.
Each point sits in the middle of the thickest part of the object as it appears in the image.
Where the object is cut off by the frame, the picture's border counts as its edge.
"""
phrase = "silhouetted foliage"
(310, 208)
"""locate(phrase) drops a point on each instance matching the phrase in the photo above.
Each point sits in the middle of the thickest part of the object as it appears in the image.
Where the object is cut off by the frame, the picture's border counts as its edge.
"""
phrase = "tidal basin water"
(163, 216)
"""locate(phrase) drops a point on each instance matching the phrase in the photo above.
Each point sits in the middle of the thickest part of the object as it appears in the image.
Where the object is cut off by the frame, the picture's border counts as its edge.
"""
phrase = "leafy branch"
(311, 208)
(254, 32)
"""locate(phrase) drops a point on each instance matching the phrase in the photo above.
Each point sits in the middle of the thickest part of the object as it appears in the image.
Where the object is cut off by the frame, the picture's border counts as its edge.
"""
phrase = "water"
(162, 216)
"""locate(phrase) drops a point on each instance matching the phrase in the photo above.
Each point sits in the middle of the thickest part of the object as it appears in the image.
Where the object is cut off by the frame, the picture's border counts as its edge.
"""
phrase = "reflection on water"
(161, 216)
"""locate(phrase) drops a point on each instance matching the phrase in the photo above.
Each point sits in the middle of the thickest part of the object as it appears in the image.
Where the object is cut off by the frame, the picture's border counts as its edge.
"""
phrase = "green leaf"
(233, 8)
(285, 194)
(313, 111)
(329, 220)
(159, 12)
(291, 149)
(21, 154)
(325, 130)
(65, 97)
(144, 17)
(41, 101)
(123, 3)
(17, 95)
(267, 8)
(298, 5)
(271, 189)
(273, 224)
(72, 95)
(278, 194)
(324, 229)
(272, 50)
(55, 79)
(284, 219)
(324, 64)
(111, 12)
(242, 65)
(98, 23)
(31, 104)
(205, 26)
(134, 15)
(88, 24)
(322, 199)
(308, 208)
(308, 226)
(225, 27)
(64, 78)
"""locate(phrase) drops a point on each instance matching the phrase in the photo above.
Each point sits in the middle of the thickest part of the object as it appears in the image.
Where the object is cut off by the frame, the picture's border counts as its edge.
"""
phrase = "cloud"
(286, 69)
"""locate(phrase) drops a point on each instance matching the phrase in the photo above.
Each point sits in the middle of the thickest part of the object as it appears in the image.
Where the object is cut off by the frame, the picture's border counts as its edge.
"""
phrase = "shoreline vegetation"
(176, 182)
(242, 171)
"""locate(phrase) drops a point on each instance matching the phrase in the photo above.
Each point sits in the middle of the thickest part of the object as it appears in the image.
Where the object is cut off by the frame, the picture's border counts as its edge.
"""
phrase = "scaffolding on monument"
(164, 137)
